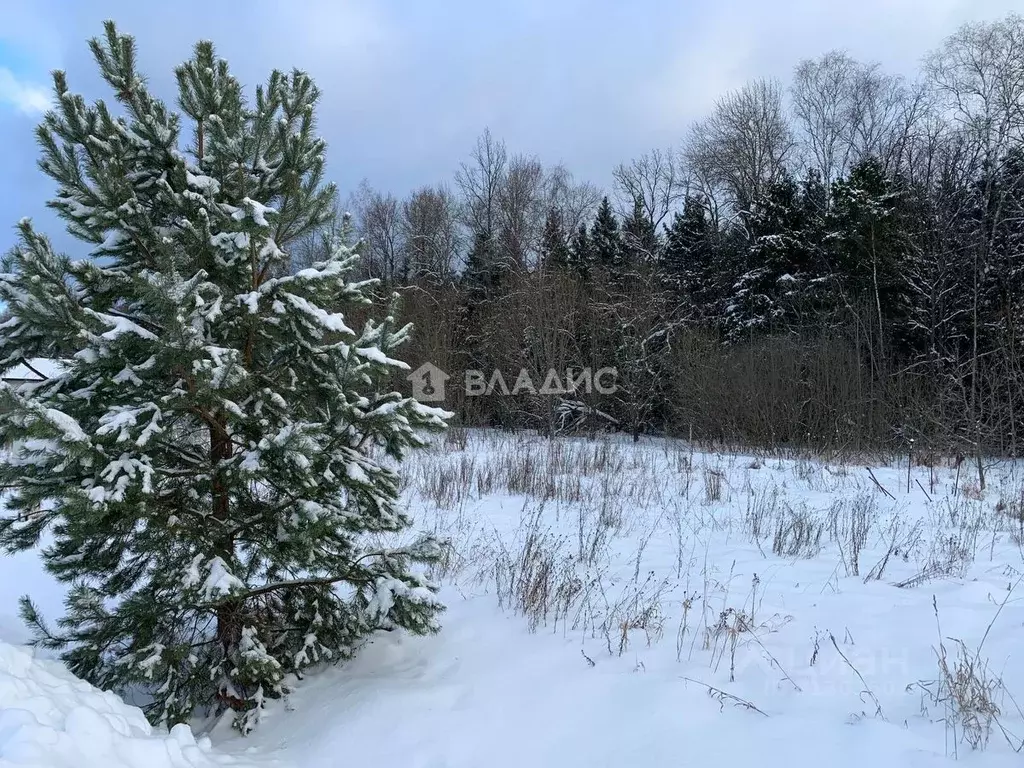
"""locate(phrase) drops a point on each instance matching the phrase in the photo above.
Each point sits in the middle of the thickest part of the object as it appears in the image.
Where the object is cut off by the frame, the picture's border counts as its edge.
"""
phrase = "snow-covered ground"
(50, 719)
(620, 604)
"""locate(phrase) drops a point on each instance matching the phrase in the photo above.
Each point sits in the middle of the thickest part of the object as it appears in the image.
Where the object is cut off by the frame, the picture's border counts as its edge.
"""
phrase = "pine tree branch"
(147, 324)
(183, 453)
(29, 365)
(277, 586)
(317, 582)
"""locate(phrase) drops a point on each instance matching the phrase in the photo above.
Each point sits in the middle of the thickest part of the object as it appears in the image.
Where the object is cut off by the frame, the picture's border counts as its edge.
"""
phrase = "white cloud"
(27, 99)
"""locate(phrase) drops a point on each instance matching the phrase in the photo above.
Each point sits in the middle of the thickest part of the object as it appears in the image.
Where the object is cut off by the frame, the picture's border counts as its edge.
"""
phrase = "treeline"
(835, 262)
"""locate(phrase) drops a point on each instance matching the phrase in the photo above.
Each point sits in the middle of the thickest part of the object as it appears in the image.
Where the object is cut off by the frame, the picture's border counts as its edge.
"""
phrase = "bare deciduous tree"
(481, 181)
(521, 212)
(654, 181)
(378, 225)
(575, 200)
(978, 77)
(820, 95)
(879, 104)
(430, 229)
(744, 144)
(847, 110)
(978, 74)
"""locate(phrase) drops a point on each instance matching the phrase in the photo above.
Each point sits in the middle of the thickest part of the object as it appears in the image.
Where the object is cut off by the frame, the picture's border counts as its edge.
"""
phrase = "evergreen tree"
(484, 281)
(781, 263)
(203, 463)
(868, 246)
(554, 248)
(997, 216)
(606, 239)
(939, 272)
(639, 238)
(581, 253)
(636, 335)
(689, 261)
(814, 198)
(482, 277)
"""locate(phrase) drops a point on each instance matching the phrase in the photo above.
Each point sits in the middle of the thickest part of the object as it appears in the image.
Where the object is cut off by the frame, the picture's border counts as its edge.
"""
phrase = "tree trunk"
(229, 625)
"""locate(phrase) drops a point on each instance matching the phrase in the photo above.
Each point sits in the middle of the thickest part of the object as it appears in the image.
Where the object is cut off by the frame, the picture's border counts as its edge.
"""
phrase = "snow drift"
(51, 719)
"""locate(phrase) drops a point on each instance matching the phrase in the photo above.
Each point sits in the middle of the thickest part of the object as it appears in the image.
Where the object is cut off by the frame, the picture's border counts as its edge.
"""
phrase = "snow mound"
(51, 719)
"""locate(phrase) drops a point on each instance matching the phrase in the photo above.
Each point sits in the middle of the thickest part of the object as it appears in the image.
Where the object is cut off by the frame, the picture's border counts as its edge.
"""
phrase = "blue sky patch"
(19, 61)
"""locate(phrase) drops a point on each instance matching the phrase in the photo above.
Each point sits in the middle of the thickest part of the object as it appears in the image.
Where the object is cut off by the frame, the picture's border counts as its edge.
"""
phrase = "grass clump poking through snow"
(534, 576)
(798, 533)
(968, 693)
(850, 523)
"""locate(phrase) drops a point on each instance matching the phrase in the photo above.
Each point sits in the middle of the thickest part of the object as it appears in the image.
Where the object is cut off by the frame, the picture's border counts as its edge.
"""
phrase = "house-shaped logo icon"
(428, 383)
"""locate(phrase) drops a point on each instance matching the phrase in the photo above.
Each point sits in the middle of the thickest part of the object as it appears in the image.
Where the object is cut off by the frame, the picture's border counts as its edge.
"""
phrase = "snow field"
(620, 604)
(614, 604)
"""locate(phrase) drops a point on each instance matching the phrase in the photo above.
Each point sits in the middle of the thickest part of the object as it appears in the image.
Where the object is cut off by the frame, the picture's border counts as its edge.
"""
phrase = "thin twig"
(867, 690)
(722, 697)
(774, 660)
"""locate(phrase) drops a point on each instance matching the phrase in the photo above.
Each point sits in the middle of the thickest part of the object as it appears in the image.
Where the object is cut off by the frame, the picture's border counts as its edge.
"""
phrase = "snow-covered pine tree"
(690, 264)
(581, 255)
(606, 239)
(869, 249)
(780, 271)
(220, 447)
(640, 244)
(554, 245)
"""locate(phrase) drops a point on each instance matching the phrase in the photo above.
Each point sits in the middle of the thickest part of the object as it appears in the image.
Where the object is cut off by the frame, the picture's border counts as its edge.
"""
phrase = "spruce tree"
(606, 239)
(781, 264)
(869, 248)
(484, 280)
(640, 244)
(689, 260)
(996, 217)
(554, 249)
(481, 279)
(581, 254)
(219, 444)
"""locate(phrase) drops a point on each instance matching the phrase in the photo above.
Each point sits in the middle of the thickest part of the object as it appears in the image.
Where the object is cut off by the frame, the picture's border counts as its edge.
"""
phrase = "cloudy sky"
(409, 84)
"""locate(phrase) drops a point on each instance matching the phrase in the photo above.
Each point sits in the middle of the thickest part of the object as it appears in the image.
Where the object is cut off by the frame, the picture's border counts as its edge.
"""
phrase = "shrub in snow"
(208, 460)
